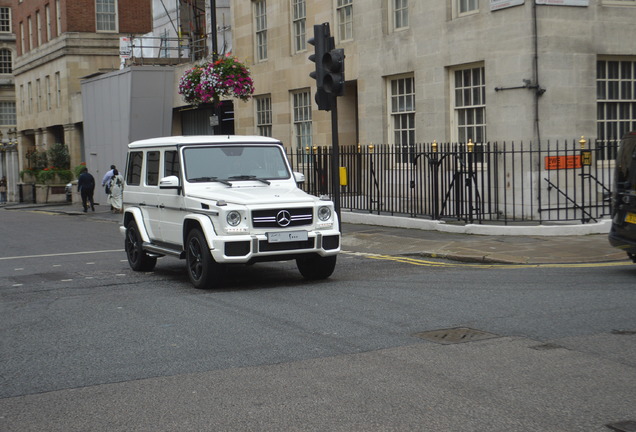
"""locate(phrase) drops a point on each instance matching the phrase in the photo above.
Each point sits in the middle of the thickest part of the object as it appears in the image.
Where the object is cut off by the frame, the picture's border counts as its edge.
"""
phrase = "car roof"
(172, 141)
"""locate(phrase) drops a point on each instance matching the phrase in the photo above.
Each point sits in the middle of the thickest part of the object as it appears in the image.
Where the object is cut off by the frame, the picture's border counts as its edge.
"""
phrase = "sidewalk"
(387, 240)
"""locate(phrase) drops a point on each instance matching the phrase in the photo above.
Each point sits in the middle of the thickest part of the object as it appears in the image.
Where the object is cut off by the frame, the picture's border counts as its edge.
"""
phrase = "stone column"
(73, 140)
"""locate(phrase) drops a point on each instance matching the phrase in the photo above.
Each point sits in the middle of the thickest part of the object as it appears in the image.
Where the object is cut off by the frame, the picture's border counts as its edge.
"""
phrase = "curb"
(602, 227)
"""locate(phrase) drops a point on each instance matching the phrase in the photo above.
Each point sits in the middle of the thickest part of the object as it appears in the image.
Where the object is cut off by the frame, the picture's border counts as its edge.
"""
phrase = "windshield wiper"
(209, 179)
(249, 177)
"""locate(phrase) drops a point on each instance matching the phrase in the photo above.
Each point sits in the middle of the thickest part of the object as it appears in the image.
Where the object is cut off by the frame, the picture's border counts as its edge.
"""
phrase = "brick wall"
(135, 16)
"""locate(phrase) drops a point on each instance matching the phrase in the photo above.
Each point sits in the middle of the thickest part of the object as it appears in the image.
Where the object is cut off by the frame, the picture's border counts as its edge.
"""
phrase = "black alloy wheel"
(138, 259)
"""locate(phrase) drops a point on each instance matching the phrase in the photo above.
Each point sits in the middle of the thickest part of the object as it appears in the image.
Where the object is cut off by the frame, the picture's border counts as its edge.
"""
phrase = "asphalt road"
(89, 345)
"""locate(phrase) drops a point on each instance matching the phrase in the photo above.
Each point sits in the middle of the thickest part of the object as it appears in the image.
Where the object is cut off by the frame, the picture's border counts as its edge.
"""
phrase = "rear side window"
(152, 168)
(171, 164)
(133, 176)
(626, 165)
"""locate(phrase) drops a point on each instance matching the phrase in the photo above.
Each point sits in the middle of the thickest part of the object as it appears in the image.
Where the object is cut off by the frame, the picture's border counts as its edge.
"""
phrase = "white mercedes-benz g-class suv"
(219, 200)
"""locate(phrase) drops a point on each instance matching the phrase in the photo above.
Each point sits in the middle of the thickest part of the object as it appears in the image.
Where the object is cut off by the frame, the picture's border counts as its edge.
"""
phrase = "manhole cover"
(455, 335)
(623, 426)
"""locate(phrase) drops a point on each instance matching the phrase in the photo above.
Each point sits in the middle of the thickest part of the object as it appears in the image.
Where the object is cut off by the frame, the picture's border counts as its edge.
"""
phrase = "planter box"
(49, 193)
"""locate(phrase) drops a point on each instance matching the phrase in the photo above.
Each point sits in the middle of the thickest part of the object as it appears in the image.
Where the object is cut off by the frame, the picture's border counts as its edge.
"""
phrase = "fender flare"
(134, 213)
(206, 227)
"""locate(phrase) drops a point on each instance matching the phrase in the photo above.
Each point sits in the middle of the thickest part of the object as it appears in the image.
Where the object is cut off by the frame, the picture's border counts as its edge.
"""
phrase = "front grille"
(264, 246)
(270, 218)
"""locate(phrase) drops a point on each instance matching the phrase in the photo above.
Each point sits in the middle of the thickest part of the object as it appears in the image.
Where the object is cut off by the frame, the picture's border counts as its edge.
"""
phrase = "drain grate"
(623, 426)
(455, 335)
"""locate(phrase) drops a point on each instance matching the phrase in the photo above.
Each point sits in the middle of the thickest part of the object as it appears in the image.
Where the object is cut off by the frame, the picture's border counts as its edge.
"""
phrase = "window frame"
(263, 114)
(299, 25)
(344, 19)
(113, 21)
(615, 98)
(399, 7)
(260, 30)
(8, 115)
(457, 8)
(6, 21)
(6, 61)
(458, 108)
(302, 118)
(401, 113)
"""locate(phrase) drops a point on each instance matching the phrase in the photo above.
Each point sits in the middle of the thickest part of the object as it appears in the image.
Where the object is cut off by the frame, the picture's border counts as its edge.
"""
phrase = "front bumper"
(253, 248)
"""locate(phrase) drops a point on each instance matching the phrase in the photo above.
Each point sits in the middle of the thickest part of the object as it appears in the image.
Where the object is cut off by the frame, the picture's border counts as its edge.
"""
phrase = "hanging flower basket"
(212, 81)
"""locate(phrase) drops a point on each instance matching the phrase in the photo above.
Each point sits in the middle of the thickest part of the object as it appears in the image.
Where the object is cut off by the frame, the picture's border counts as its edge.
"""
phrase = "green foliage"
(59, 157)
(78, 169)
(47, 176)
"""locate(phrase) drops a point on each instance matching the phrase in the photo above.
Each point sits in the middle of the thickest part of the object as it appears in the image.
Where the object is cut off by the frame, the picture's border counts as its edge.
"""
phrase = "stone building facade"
(444, 70)
(59, 42)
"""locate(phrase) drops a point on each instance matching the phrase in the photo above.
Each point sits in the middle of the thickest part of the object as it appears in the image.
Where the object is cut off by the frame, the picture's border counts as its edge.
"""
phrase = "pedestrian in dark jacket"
(86, 187)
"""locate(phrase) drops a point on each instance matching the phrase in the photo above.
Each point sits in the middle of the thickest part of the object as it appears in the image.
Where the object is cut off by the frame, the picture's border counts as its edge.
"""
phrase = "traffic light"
(333, 64)
(323, 43)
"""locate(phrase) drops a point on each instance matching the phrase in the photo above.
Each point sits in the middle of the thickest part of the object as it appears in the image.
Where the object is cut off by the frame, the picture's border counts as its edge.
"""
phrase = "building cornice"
(68, 44)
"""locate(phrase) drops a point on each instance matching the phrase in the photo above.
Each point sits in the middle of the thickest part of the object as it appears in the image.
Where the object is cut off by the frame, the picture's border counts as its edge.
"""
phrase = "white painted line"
(17, 285)
(18, 269)
(56, 265)
(60, 254)
(66, 280)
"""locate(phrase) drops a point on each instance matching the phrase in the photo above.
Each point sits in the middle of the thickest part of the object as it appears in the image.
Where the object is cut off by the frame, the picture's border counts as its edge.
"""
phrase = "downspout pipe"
(535, 71)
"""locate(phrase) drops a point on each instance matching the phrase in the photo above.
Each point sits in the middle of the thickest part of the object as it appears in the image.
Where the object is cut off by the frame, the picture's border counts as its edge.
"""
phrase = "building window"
(6, 61)
(23, 47)
(106, 15)
(402, 106)
(7, 114)
(344, 12)
(30, 29)
(467, 6)
(38, 28)
(5, 20)
(30, 96)
(47, 85)
(58, 18)
(47, 17)
(400, 14)
(299, 13)
(302, 119)
(38, 95)
(470, 104)
(616, 103)
(264, 115)
(260, 18)
(58, 90)
(22, 111)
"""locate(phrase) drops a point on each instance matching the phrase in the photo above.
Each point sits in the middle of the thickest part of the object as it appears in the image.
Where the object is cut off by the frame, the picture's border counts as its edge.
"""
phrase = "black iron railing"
(472, 183)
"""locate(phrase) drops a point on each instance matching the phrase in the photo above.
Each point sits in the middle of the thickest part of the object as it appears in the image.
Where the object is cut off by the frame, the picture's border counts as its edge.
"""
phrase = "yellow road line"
(429, 263)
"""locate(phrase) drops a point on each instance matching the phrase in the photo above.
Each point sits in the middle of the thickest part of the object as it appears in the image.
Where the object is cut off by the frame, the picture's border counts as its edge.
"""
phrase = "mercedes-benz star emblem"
(283, 218)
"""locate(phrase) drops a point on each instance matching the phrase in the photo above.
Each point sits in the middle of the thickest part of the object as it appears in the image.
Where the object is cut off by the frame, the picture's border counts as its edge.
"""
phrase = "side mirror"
(170, 182)
(299, 177)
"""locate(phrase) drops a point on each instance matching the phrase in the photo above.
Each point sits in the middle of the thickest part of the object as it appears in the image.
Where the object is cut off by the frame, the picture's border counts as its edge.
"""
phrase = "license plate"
(288, 236)
(630, 218)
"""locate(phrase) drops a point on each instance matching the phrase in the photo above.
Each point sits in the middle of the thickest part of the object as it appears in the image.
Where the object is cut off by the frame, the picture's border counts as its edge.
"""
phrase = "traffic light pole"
(335, 159)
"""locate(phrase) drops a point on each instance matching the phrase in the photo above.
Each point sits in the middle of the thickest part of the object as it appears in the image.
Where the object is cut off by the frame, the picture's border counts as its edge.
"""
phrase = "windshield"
(234, 163)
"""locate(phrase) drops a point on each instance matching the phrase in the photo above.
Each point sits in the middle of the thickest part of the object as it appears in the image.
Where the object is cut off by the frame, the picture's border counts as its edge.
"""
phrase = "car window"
(133, 176)
(152, 168)
(235, 163)
(171, 164)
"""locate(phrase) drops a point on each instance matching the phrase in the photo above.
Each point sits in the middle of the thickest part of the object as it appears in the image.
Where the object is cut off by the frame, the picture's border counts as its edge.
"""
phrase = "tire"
(138, 259)
(203, 271)
(315, 267)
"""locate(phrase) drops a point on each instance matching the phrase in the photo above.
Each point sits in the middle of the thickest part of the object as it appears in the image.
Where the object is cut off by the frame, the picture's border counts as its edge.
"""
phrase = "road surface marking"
(59, 254)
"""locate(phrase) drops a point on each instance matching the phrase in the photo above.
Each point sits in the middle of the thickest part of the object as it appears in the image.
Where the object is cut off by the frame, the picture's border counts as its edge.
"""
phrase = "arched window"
(6, 63)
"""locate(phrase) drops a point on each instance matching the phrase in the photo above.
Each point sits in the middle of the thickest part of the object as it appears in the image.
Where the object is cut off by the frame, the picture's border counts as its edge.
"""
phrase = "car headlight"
(233, 218)
(324, 213)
